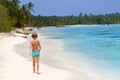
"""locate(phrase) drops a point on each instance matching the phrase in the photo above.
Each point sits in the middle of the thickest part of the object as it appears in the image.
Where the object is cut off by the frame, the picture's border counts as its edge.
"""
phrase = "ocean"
(94, 48)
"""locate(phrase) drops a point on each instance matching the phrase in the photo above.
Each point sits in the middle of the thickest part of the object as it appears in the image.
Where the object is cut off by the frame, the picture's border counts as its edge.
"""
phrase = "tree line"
(88, 19)
(12, 15)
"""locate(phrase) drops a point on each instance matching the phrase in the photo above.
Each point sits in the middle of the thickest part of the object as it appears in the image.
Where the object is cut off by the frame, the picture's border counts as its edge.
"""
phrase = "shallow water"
(95, 48)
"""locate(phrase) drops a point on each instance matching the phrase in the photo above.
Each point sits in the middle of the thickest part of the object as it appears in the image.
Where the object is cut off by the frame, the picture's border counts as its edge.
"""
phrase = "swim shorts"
(35, 53)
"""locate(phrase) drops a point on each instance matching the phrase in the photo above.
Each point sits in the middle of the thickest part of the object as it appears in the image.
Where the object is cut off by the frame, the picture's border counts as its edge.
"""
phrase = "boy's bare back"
(35, 45)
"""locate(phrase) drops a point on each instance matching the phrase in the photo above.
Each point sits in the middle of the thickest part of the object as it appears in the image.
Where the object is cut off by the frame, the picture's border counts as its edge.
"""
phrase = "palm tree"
(24, 7)
(30, 6)
(27, 8)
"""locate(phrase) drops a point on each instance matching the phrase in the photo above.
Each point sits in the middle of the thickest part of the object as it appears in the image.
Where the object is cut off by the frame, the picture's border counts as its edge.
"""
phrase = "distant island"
(12, 15)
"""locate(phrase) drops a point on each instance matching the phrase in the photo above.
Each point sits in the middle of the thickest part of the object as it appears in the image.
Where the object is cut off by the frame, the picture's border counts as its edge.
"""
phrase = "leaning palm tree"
(24, 7)
(27, 8)
(26, 12)
(30, 6)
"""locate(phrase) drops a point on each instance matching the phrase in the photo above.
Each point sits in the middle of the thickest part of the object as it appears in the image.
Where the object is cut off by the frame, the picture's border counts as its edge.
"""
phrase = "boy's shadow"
(40, 73)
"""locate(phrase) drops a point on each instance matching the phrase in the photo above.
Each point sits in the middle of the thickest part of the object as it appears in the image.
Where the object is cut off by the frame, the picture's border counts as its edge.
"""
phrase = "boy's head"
(34, 35)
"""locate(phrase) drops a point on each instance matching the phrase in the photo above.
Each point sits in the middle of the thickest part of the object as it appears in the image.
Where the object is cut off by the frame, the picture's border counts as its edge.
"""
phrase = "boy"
(35, 48)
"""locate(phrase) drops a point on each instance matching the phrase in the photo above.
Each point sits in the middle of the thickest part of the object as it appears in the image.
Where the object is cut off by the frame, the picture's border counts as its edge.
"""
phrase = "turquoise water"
(97, 44)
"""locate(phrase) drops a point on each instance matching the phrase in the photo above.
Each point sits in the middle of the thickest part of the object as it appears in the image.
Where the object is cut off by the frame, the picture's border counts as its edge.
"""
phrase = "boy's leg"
(37, 63)
(33, 64)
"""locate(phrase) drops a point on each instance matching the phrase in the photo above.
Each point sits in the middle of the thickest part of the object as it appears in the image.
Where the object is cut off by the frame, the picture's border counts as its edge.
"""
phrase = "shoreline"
(50, 54)
(17, 65)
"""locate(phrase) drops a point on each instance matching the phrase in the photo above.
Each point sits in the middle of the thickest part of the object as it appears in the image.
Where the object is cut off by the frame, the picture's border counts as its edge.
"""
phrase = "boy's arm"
(39, 45)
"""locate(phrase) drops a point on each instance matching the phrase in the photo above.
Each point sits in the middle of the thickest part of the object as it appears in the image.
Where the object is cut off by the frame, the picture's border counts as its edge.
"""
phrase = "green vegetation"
(113, 18)
(5, 22)
(12, 15)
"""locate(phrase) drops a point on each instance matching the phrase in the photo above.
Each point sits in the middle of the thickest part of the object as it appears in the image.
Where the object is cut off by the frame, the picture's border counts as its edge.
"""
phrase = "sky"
(73, 7)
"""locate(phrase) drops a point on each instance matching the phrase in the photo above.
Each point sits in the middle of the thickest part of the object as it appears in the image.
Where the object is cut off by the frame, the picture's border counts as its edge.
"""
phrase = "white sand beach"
(14, 66)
